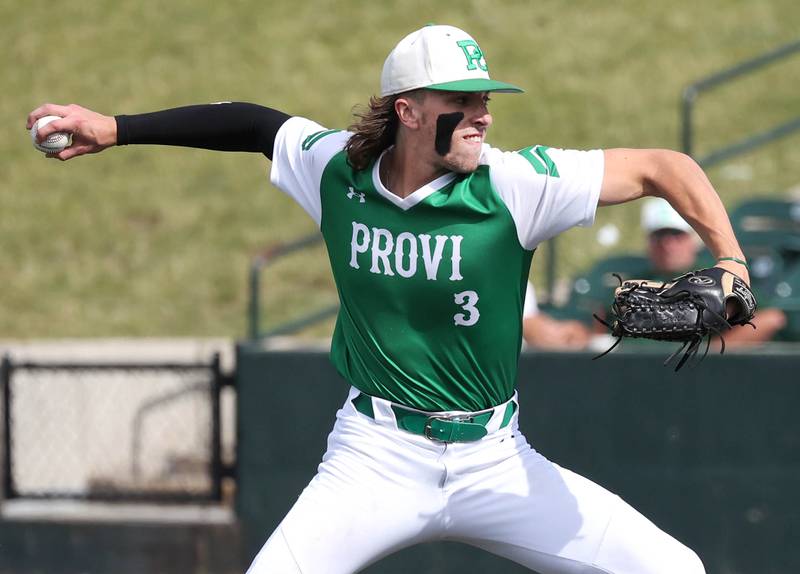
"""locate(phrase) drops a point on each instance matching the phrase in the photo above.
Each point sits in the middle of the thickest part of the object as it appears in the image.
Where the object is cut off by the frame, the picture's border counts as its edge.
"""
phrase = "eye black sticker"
(445, 126)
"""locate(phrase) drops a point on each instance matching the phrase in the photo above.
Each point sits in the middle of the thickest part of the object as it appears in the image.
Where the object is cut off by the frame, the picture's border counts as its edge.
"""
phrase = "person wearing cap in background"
(672, 245)
(430, 233)
(673, 248)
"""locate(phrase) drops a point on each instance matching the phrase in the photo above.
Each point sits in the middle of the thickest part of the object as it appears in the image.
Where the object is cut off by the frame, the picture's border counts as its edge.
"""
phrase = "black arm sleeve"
(230, 126)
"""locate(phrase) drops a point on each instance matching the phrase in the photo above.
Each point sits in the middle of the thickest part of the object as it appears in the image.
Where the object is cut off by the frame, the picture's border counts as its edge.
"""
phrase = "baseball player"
(430, 233)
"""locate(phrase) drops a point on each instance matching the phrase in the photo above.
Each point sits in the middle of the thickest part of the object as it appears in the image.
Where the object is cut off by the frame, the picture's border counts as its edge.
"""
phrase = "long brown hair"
(375, 129)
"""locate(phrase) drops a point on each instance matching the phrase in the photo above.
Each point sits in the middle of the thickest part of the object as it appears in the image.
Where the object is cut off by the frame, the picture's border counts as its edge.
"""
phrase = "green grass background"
(146, 241)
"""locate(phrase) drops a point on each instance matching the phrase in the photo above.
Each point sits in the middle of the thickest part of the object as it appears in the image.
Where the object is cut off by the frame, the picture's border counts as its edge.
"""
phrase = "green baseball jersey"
(432, 286)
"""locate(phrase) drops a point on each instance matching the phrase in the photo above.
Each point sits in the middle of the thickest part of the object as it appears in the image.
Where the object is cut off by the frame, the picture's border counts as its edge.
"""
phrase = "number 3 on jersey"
(467, 300)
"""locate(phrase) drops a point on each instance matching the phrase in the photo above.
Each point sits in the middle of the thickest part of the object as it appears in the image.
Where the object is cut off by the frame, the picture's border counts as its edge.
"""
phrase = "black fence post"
(5, 380)
(216, 439)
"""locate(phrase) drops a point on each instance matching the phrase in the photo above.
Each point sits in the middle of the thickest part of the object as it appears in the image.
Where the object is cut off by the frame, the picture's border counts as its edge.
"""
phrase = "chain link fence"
(112, 431)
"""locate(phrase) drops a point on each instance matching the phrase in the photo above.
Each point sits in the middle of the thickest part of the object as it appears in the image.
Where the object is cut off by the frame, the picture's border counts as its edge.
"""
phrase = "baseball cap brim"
(476, 85)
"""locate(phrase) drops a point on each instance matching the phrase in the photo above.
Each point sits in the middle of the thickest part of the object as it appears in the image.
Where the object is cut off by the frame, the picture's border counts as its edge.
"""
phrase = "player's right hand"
(91, 132)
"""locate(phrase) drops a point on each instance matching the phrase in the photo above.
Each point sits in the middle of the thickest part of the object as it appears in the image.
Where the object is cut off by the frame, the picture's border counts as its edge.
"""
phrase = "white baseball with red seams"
(55, 142)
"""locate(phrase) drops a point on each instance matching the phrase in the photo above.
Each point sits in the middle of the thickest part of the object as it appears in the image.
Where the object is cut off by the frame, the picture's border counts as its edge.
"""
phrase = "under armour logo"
(353, 193)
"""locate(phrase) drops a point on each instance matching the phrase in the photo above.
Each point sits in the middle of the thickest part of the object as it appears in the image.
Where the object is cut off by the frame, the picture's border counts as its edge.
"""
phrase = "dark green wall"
(86, 546)
(711, 454)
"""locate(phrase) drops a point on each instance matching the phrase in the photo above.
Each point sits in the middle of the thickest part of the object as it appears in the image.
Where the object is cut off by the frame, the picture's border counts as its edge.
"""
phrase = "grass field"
(156, 241)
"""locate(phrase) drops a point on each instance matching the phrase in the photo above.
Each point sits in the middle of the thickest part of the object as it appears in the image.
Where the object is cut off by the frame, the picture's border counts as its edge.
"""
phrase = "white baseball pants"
(380, 489)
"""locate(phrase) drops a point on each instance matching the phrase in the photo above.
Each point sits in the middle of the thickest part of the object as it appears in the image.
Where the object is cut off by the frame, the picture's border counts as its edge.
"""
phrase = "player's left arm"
(633, 173)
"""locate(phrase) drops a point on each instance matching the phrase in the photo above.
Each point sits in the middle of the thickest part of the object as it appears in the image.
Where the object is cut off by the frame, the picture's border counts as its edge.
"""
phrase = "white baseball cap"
(439, 58)
(658, 214)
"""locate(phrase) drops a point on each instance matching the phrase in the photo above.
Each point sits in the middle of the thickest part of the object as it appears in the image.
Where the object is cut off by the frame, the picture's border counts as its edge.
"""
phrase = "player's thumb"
(60, 125)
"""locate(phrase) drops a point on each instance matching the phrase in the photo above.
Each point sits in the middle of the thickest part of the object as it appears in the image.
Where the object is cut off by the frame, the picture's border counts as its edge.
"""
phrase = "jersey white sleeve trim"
(546, 201)
(298, 161)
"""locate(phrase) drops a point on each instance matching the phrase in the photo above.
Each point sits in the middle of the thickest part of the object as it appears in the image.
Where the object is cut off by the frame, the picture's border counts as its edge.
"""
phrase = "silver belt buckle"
(427, 428)
(454, 418)
(459, 418)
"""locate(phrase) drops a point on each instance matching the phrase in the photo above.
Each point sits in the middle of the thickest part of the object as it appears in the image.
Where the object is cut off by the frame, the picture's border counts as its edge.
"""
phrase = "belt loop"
(363, 404)
(383, 411)
(502, 414)
(511, 408)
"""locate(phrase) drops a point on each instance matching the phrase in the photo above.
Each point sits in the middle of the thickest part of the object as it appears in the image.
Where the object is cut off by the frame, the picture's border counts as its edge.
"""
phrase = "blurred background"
(145, 255)
(156, 242)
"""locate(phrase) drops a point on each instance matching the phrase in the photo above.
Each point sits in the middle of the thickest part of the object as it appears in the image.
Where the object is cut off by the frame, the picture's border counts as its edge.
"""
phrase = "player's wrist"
(109, 134)
(739, 260)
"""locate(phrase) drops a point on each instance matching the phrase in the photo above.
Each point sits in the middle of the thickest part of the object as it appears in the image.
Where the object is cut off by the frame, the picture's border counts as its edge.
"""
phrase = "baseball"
(55, 142)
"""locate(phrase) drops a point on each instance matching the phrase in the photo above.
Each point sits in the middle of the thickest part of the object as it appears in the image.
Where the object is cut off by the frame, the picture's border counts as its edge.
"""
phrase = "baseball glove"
(686, 309)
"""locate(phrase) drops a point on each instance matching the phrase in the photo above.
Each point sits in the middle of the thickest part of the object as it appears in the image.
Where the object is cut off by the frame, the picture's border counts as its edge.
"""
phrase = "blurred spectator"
(672, 245)
(673, 248)
(542, 331)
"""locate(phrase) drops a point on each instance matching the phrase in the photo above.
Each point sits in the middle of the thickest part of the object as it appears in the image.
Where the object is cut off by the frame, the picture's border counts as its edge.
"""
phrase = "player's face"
(672, 250)
(467, 137)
